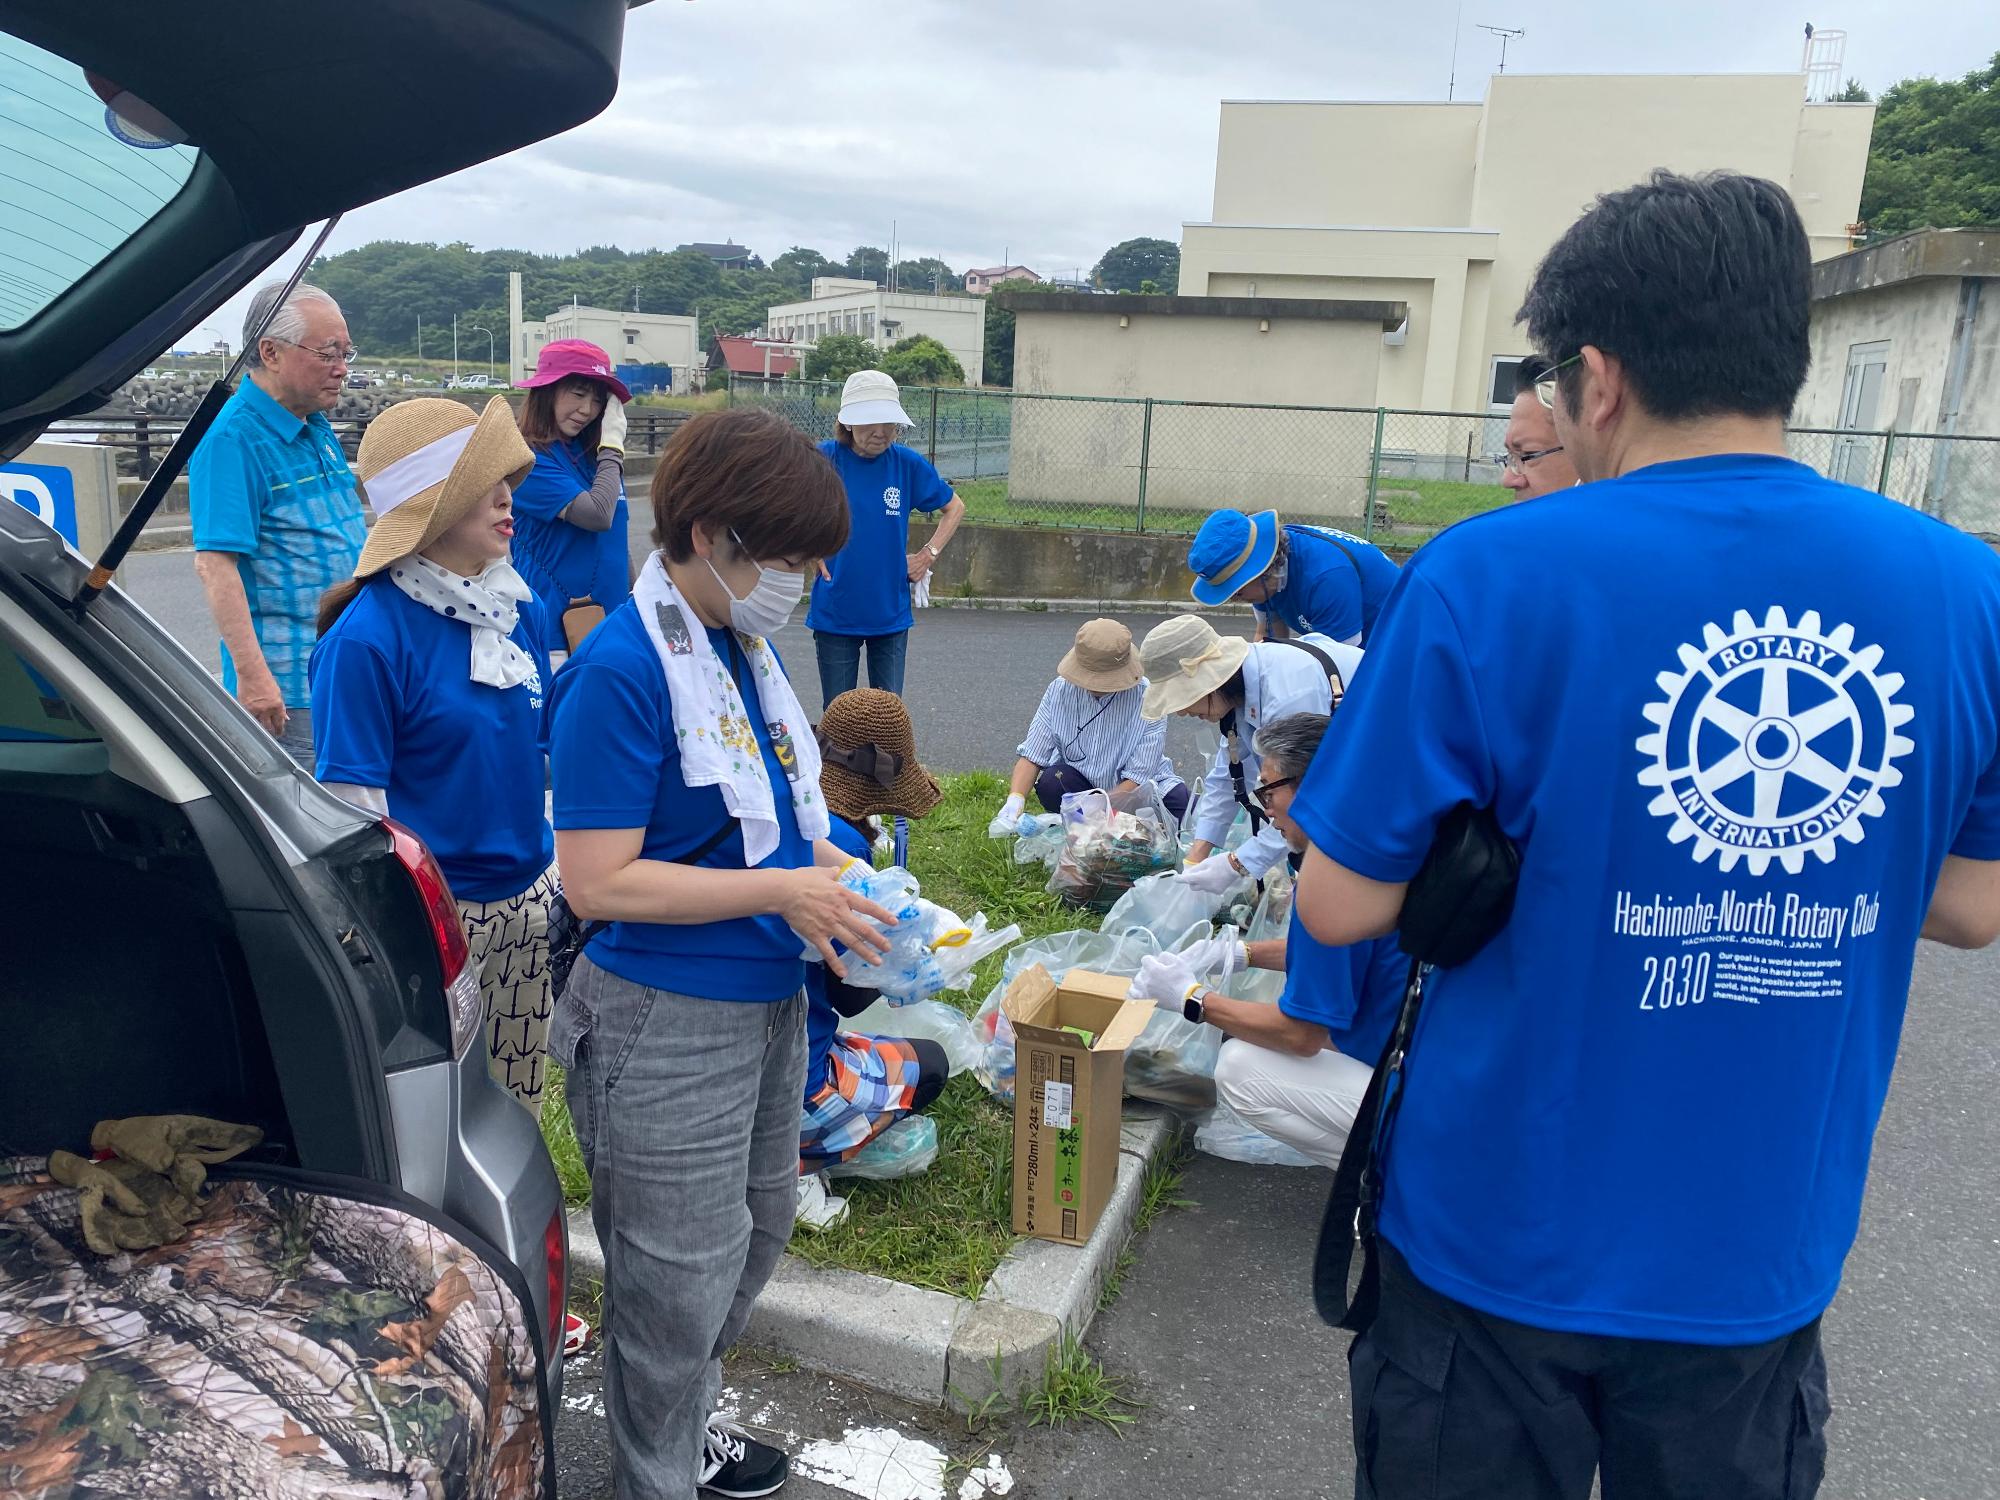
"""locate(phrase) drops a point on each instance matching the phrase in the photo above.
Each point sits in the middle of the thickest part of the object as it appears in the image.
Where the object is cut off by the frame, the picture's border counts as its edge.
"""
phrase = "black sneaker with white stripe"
(736, 1465)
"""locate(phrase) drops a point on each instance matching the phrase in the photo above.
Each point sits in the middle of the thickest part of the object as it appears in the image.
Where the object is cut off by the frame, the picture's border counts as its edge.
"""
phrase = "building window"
(631, 338)
(1502, 392)
(868, 325)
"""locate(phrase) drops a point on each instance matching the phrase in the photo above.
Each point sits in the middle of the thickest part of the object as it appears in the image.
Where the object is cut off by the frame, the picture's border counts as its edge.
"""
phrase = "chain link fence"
(1397, 477)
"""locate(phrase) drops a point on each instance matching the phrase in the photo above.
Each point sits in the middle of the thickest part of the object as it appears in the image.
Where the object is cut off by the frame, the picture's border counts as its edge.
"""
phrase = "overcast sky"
(1042, 131)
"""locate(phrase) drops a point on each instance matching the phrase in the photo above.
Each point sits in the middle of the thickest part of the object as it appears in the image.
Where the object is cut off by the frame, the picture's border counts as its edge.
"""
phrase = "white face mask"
(769, 604)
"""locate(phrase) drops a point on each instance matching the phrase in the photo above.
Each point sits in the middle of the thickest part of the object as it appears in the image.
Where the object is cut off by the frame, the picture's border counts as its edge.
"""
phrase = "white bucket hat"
(870, 397)
(1185, 660)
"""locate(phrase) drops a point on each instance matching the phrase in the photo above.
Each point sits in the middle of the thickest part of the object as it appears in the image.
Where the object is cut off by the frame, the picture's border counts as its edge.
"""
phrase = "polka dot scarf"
(489, 605)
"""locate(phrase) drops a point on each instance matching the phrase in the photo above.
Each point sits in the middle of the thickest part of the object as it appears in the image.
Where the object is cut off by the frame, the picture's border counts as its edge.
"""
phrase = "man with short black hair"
(1535, 463)
(1744, 775)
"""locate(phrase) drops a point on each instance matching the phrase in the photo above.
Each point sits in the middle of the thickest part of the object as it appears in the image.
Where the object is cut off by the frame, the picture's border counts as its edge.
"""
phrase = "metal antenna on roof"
(1457, 26)
(1506, 34)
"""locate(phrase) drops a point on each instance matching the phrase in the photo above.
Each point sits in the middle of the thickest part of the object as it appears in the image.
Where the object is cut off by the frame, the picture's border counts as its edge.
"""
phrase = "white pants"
(1306, 1102)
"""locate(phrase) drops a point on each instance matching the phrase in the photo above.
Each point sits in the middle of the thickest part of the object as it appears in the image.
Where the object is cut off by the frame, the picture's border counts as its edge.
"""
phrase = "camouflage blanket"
(294, 1344)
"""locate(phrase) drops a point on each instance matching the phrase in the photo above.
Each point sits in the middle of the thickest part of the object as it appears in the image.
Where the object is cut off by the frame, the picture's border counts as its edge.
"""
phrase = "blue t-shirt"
(560, 561)
(869, 592)
(275, 490)
(1330, 591)
(822, 1020)
(1354, 992)
(394, 707)
(1735, 716)
(617, 764)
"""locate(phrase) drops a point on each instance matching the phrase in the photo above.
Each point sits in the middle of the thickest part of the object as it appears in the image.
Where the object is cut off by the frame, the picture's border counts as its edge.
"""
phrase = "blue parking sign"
(45, 489)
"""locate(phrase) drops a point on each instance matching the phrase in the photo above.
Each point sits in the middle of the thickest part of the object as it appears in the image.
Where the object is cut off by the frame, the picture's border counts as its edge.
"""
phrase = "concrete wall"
(1916, 319)
(1326, 199)
(1336, 162)
(1197, 458)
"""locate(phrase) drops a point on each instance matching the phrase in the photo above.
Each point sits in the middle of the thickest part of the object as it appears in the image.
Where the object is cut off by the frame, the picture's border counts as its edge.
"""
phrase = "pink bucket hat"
(567, 357)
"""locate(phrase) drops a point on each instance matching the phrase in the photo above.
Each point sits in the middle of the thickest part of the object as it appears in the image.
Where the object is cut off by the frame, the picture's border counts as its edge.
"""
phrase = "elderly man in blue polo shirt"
(276, 510)
(1300, 580)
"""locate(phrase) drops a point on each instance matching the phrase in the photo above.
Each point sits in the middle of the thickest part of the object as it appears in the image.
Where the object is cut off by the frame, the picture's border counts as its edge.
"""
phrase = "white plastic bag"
(934, 1020)
(1111, 841)
(1224, 1133)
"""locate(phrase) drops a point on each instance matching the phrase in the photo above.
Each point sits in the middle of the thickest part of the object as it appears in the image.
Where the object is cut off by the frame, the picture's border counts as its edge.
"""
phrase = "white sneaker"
(817, 1208)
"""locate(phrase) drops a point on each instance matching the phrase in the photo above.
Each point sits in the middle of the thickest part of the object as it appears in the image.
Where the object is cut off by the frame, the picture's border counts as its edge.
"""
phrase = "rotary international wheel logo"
(1773, 740)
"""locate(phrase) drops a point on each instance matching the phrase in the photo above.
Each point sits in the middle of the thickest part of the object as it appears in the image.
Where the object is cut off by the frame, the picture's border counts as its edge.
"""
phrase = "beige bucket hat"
(1184, 661)
(1102, 660)
(425, 463)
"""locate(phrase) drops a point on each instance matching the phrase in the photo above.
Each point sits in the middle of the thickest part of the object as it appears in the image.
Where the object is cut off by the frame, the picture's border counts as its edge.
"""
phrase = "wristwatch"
(1191, 1008)
(931, 547)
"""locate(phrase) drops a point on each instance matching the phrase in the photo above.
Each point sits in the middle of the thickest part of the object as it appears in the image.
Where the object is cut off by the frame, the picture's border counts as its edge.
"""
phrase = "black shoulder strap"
(1238, 783)
(1353, 1208)
(1333, 678)
(1360, 578)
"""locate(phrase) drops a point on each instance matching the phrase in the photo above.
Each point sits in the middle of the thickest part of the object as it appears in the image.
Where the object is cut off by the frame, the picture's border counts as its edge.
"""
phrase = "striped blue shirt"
(276, 491)
(1101, 735)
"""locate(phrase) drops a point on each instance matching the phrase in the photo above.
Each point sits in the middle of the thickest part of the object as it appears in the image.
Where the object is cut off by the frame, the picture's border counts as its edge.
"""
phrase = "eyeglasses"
(1545, 388)
(1261, 793)
(345, 356)
(1517, 463)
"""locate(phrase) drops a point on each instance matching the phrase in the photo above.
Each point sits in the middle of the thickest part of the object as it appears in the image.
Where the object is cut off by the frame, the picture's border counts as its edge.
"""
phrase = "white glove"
(1212, 876)
(1007, 822)
(1165, 979)
(611, 434)
(1217, 957)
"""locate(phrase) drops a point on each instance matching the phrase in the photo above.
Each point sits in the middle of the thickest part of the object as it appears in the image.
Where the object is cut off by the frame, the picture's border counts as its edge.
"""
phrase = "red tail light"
(555, 1244)
(461, 986)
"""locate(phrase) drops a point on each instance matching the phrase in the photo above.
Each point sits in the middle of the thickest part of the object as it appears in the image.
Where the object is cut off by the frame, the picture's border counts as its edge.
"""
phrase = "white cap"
(870, 397)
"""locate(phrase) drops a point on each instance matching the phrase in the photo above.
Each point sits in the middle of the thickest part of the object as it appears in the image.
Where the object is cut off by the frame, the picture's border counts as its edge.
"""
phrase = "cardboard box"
(1068, 1097)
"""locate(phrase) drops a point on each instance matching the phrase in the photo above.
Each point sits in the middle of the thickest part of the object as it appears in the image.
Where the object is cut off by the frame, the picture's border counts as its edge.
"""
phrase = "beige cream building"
(837, 304)
(1449, 207)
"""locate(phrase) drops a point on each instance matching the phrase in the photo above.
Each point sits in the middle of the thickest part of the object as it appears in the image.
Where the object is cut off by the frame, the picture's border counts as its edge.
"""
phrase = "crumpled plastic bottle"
(931, 948)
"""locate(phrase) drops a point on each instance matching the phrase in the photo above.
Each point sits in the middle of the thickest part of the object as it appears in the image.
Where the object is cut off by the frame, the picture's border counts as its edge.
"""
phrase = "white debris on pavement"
(876, 1463)
(587, 1401)
(988, 1482)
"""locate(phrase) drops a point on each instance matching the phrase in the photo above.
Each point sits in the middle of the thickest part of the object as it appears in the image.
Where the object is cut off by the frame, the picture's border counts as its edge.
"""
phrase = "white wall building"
(1449, 207)
(861, 308)
(629, 338)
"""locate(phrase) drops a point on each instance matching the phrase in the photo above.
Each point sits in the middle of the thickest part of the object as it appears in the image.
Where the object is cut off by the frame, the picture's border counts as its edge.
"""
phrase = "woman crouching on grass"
(689, 815)
(427, 697)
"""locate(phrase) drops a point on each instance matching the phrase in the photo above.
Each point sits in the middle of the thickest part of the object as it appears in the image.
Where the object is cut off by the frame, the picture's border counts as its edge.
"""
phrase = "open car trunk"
(130, 994)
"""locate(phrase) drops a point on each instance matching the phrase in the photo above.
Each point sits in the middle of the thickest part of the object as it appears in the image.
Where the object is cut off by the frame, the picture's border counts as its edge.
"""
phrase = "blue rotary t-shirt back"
(869, 590)
(1736, 716)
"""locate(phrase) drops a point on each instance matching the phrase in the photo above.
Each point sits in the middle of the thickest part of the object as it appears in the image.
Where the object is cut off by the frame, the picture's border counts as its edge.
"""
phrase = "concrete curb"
(929, 1346)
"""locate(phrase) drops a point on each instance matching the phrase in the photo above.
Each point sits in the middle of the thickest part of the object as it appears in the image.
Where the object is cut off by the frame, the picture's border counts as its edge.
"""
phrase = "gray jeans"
(688, 1114)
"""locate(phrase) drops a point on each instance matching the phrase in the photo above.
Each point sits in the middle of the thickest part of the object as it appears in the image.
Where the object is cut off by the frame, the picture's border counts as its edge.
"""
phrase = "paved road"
(1244, 1391)
(974, 676)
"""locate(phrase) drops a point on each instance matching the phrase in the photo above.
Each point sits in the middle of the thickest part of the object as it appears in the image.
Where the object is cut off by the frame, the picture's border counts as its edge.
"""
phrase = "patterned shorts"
(871, 1083)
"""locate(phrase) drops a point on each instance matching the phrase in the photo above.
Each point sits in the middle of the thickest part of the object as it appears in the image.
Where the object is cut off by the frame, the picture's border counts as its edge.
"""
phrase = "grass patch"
(559, 1132)
(1074, 1388)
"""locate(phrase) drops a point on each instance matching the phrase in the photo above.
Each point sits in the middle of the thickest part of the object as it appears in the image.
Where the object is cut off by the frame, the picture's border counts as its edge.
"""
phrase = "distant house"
(983, 280)
(729, 257)
(1066, 284)
(746, 354)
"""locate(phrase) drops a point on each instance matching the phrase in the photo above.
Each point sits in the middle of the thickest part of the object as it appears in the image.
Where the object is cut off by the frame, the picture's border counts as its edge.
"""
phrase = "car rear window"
(32, 709)
(82, 167)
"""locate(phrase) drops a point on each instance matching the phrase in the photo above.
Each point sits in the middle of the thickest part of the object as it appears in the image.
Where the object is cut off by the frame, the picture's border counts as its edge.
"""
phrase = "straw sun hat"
(425, 463)
(1185, 661)
(868, 755)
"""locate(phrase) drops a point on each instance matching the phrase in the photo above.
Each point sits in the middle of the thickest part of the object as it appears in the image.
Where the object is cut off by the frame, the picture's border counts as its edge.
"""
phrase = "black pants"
(1451, 1402)
(1063, 777)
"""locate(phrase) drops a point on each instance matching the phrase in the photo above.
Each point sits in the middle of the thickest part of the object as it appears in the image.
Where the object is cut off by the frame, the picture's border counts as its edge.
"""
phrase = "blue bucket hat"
(1230, 550)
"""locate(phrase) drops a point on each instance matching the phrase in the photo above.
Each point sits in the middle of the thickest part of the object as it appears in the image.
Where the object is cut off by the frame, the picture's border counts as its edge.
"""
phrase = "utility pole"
(420, 335)
(454, 346)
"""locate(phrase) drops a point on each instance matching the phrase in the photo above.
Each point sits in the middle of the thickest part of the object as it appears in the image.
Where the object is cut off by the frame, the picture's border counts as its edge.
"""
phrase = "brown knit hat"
(868, 755)
(425, 463)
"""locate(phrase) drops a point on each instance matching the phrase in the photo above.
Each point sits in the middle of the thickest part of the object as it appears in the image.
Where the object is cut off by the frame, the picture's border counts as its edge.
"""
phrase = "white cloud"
(1041, 130)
